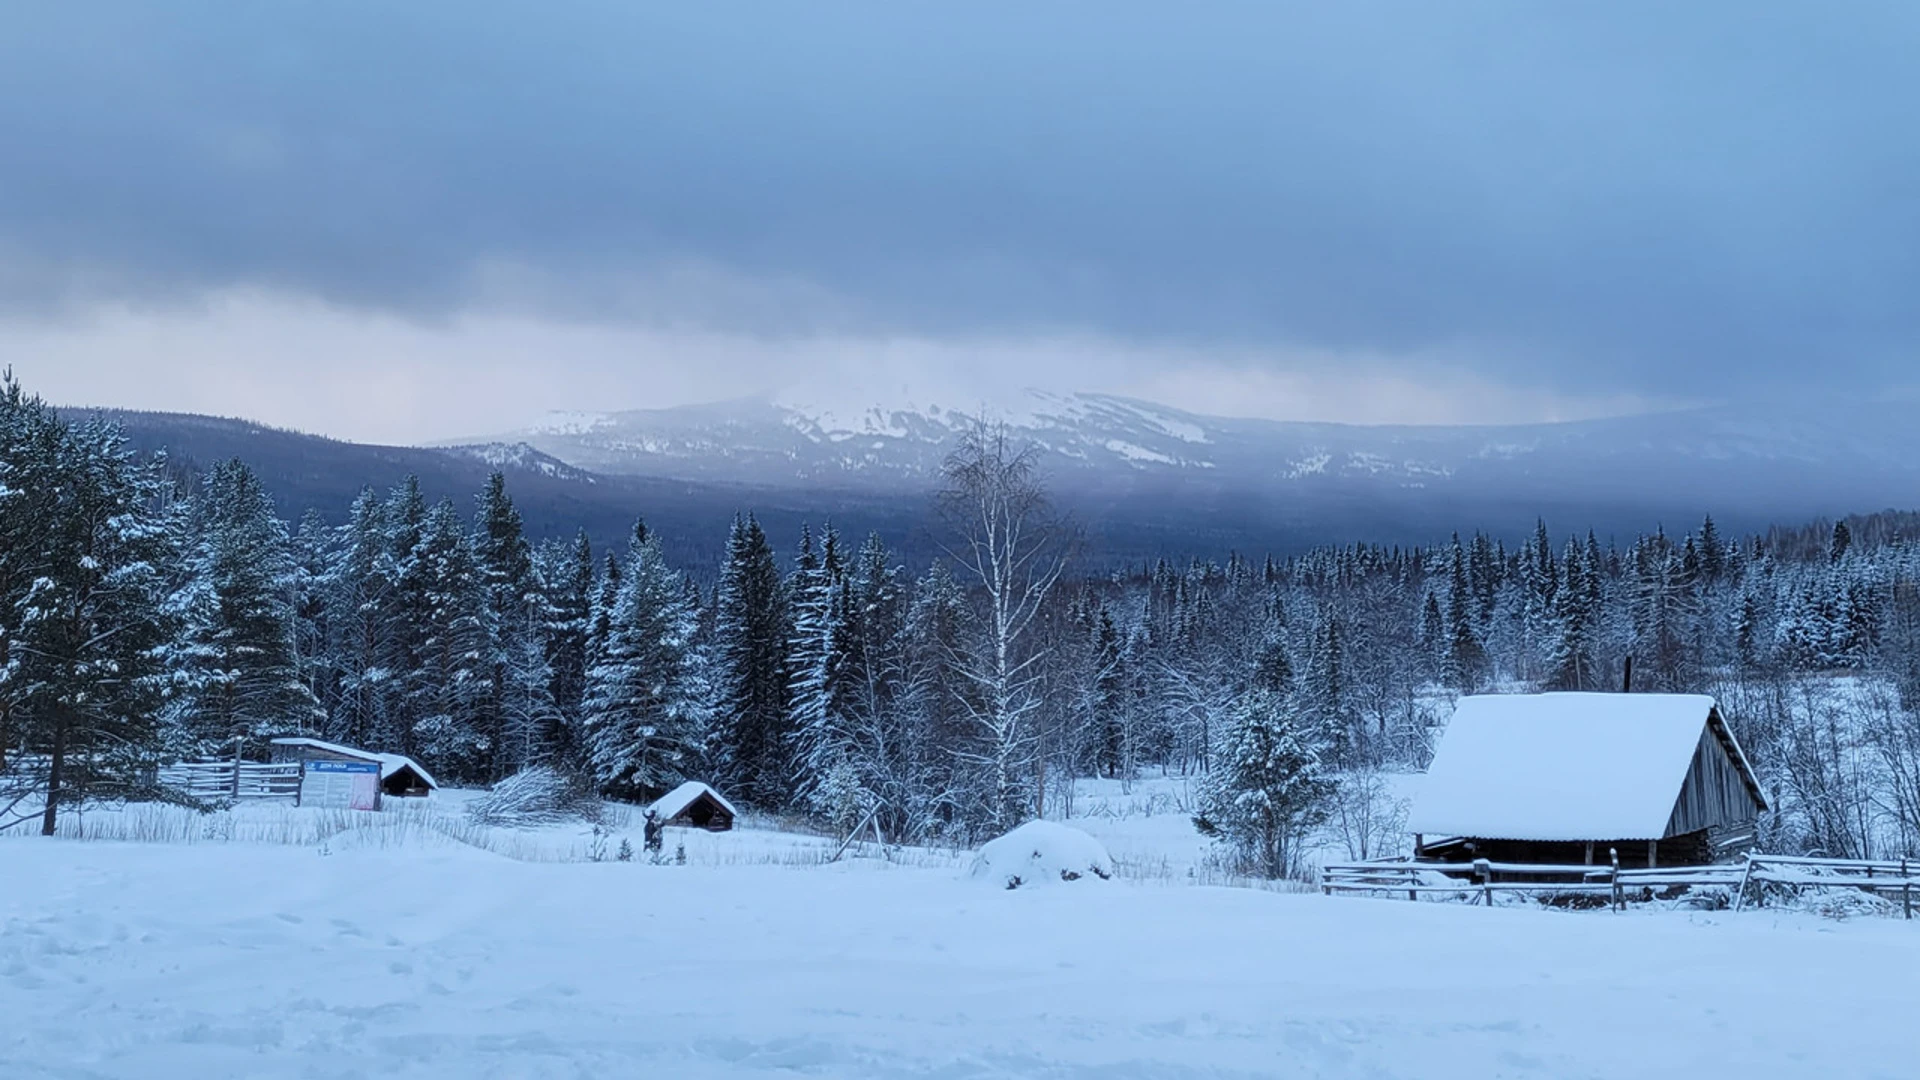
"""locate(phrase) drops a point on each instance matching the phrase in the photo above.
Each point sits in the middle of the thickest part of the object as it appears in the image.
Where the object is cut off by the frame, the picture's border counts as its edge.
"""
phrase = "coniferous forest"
(151, 612)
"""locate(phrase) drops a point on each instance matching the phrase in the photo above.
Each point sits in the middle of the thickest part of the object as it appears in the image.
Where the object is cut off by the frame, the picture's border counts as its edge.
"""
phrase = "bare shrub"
(536, 796)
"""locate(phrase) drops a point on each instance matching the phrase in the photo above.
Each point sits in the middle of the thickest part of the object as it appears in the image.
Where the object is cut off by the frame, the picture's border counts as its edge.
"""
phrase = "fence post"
(1484, 871)
(1613, 857)
(1746, 879)
(1906, 889)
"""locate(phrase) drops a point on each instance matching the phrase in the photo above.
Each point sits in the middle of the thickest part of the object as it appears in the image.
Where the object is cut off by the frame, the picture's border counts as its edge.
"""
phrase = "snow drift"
(1040, 852)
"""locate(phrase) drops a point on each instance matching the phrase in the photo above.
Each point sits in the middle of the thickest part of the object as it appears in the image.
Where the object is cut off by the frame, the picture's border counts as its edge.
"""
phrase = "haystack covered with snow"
(1566, 772)
(1042, 852)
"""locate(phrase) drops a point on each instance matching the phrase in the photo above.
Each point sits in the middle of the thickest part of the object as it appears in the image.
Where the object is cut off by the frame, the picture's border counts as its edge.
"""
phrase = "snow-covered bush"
(1268, 789)
(536, 796)
(1040, 852)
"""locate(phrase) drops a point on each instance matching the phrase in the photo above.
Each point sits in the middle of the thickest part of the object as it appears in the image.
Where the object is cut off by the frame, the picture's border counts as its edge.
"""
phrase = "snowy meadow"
(280, 942)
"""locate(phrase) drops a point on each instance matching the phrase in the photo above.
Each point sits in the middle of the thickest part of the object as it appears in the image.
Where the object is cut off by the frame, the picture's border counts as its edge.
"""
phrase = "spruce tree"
(1713, 552)
(314, 554)
(815, 656)
(1269, 789)
(1273, 666)
(1571, 664)
(1465, 657)
(648, 701)
(569, 613)
(752, 656)
(407, 618)
(359, 587)
(239, 679)
(519, 701)
(449, 696)
(1433, 637)
(1110, 700)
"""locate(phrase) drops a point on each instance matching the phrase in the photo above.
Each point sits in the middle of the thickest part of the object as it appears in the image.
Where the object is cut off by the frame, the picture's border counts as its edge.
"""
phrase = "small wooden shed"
(695, 805)
(400, 775)
(1562, 779)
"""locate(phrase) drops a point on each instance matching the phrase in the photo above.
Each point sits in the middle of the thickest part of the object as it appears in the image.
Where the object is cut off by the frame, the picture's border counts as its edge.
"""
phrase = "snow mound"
(1041, 852)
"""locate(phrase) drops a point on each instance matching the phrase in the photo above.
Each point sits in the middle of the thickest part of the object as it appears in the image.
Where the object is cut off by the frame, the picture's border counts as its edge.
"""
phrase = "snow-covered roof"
(673, 803)
(1563, 766)
(389, 763)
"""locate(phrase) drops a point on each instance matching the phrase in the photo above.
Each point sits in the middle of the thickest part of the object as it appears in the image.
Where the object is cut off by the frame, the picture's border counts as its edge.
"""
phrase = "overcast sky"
(403, 221)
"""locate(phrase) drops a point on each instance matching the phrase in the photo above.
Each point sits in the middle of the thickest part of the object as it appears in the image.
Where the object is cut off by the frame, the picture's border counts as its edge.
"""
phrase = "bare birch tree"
(1007, 538)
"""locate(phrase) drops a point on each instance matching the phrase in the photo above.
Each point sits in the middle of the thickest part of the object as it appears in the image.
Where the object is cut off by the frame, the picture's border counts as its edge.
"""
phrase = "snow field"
(187, 961)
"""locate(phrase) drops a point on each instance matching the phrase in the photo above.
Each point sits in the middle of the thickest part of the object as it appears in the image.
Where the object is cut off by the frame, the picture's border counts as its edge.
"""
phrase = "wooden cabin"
(400, 775)
(695, 805)
(1565, 779)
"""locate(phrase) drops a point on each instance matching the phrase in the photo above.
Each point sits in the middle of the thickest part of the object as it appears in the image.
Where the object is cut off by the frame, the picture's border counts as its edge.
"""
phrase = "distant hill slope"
(1132, 465)
(1143, 480)
(556, 499)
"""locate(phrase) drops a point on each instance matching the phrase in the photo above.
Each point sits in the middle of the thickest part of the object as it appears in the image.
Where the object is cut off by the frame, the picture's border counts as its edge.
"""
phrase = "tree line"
(150, 614)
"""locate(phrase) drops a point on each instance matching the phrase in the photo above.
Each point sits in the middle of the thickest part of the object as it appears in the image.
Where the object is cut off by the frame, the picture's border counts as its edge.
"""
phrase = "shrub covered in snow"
(536, 796)
(1040, 852)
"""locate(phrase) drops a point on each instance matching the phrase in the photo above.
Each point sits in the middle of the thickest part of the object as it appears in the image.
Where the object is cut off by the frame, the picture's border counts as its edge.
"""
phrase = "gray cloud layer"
(1670, 200)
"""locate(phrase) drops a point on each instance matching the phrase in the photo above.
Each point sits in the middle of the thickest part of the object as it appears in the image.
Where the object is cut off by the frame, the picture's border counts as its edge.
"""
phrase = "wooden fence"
(217, 780)
(1478, 881)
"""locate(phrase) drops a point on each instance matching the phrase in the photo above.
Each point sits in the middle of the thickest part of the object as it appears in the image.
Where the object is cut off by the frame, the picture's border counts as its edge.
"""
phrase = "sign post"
(341, 785)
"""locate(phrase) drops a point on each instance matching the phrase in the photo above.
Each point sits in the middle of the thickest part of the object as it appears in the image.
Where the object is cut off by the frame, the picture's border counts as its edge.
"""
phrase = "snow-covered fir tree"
(237, 675)
(648, 701)
(1270, 788)
(750, 668)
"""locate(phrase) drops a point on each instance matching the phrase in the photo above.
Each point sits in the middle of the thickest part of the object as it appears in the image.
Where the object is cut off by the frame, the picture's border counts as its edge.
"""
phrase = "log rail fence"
(1896, 880)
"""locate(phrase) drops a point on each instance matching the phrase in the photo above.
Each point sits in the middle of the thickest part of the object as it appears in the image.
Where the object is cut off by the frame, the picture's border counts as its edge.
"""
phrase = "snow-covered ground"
(408, 952)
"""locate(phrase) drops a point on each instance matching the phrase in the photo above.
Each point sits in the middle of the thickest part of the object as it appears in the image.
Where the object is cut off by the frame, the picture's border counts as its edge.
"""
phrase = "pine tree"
(1842, 542)
(83, 626)
(239, 679)
(648, 702)
(751, 630)
(1269, 789)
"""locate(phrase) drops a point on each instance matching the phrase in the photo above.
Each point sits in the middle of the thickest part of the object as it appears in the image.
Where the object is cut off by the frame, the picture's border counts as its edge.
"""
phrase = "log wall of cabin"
(1715, 794)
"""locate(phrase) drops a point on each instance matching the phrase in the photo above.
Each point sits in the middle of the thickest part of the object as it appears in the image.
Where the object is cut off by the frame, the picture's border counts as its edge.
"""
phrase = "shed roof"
(389, 763)
(1566, 766)
(675, 802)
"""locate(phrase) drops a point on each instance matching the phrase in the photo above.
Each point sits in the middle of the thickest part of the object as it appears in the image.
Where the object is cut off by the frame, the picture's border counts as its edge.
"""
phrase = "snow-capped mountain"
(1737, 461)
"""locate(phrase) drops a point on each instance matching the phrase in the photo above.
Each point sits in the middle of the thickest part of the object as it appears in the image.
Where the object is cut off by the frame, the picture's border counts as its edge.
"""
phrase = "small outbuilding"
(1561, 779)
(694, 805)
(400, 775)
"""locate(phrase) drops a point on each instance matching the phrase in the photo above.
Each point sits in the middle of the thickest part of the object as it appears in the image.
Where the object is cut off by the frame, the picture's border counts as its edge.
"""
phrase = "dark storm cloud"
(1655, 198)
